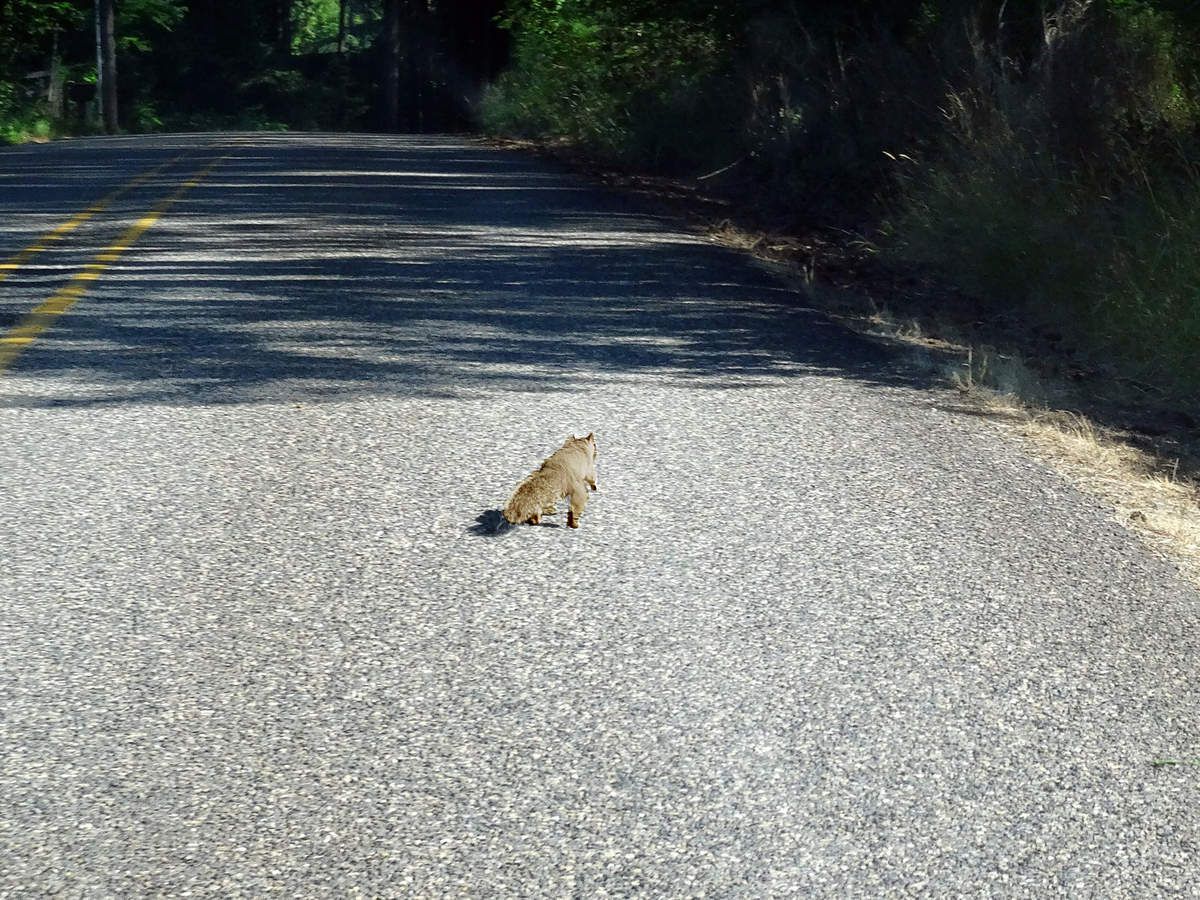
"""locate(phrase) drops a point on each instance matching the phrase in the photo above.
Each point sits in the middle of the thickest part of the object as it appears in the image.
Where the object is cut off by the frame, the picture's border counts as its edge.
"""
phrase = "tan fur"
(568, 472)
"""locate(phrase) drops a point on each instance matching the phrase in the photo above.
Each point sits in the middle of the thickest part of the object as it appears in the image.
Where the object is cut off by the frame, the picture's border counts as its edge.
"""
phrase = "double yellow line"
(44, 315)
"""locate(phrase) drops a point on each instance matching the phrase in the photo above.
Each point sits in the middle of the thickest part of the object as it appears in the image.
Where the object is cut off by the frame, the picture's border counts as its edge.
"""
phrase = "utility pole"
(106, 64)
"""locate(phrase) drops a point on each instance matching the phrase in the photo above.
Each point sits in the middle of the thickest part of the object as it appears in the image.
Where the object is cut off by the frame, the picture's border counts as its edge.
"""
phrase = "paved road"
(820, 633)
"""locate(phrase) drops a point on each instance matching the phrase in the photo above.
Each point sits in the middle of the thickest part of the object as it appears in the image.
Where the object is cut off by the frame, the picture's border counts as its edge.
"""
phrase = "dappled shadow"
(42, 186)
(310, 267)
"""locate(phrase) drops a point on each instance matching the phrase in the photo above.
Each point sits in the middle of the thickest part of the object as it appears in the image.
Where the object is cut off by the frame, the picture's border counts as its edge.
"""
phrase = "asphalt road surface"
(821, 633)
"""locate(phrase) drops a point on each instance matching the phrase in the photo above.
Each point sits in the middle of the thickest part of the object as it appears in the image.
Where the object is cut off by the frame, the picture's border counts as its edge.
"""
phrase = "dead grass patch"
(1151, 492)
(1146, 491)
(1145, 465)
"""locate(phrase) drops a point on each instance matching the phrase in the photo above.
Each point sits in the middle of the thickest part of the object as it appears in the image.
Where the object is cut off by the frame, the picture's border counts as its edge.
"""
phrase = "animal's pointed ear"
(592, 436)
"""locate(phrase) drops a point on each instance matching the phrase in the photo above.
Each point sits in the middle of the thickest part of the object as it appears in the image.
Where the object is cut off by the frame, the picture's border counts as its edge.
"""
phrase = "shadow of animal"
(491, 523)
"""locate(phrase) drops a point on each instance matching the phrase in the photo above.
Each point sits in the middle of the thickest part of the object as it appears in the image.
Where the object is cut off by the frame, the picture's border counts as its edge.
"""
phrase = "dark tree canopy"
(296, 63)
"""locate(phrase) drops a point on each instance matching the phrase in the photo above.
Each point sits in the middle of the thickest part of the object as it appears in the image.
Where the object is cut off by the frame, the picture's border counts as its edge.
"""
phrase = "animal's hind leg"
(578, 499)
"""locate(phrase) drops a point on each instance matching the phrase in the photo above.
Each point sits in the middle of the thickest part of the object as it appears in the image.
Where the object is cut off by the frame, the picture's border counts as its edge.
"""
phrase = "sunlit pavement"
(821, 633)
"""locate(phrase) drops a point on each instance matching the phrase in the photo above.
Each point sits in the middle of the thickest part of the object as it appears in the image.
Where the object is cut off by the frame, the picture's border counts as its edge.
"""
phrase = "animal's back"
(567, 469)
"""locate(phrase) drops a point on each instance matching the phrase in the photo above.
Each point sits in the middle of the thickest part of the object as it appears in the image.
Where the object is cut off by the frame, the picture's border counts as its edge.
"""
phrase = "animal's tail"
(529, 499)
(491, 522)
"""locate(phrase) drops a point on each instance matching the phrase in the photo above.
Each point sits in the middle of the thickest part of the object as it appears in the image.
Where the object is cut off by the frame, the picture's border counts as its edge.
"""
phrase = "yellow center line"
(43, 316)
(13, 263)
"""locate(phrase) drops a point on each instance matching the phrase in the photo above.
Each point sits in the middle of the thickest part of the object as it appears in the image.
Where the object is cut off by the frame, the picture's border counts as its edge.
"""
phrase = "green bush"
(1117, 274)
(21, 119)
(1064, 196)
(646, 91)
(144, 117)
(326, 98)
(1035, 154)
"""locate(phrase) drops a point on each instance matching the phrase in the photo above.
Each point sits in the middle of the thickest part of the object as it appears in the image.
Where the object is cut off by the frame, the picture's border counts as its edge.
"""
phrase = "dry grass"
(1149, 492)
(1145, 490)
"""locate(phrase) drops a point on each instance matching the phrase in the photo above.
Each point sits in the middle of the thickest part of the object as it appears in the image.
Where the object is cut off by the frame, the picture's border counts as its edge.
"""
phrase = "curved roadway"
(820, 633)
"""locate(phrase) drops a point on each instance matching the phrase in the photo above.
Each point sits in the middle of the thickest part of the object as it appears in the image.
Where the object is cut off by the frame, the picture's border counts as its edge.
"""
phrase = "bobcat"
(568, 472)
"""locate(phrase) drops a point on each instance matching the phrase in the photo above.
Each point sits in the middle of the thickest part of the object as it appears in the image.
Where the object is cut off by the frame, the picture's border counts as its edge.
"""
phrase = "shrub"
(21, 118)
(1062, 194)
(647, 91)
(1037, 159)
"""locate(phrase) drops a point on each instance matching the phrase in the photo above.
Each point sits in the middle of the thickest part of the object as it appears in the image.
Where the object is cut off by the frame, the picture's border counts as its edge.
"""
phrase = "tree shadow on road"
(307, 269)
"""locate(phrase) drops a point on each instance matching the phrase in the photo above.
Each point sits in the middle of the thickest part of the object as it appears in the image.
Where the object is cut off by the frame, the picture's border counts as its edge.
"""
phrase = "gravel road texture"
(821, 633)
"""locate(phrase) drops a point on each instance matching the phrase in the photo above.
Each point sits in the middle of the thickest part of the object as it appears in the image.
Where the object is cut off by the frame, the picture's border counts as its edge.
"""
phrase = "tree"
(390, 99)
(106, 63)
(283, 26)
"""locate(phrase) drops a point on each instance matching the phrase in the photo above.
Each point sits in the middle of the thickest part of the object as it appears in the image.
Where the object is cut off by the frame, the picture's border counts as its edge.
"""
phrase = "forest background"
(1039, 157)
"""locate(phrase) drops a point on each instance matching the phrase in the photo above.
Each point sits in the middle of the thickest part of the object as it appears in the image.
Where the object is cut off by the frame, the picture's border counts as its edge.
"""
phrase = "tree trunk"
(391, 66)
(54, 90)
(284, 34)
(107, 58)
(341, 44)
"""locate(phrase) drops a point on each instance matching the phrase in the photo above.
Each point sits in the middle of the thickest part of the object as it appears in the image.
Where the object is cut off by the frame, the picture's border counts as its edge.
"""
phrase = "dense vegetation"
(1041, 156)
(413, 65)
(1038, 154)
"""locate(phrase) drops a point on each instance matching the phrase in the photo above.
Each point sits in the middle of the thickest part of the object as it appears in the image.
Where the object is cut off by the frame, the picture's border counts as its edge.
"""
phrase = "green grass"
(21, 128)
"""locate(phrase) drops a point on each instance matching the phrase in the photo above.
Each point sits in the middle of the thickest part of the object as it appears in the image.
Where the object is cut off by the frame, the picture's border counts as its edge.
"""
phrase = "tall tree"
(106, 50)
(390, 119)
(285, 24)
